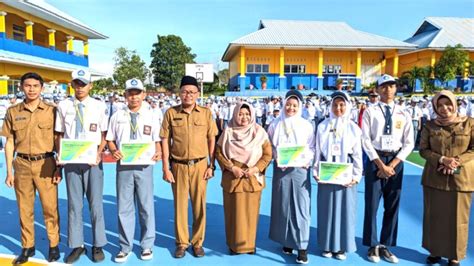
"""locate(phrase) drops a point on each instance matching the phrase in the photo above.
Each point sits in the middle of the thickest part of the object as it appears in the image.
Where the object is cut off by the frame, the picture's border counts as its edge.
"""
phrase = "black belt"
(188, 162)
(387, 153)
(35, 157)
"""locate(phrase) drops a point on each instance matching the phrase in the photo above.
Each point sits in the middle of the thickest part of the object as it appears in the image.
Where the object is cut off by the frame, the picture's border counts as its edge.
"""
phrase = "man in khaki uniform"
(28, 127)
(188, 139)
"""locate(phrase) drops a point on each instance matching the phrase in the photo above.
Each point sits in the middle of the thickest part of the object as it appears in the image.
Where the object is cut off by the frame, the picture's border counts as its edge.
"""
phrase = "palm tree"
(414, 74)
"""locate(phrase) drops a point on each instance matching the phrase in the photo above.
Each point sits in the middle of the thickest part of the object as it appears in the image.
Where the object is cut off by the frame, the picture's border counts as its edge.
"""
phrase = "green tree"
(224, 76)
(102, 86)
(169, 56)
(412, 75)
(451, 63)
(128, 64)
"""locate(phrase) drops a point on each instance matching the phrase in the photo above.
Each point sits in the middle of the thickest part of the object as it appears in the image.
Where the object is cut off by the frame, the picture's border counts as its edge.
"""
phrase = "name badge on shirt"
(336, 149)
(146, 130)
(388, 142)
(93, 128)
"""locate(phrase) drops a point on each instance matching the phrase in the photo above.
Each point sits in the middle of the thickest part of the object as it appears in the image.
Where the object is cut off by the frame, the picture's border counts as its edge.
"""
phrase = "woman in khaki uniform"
(447, 144)
(243, 152)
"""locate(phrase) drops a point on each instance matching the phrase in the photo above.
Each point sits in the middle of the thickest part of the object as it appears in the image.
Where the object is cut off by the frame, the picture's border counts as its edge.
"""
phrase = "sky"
(209, 26)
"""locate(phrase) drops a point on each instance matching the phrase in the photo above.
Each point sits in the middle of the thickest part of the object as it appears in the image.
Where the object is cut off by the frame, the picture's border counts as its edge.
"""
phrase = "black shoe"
(287, 251)
(24, 255)
(433, 259)
(302, 256)
(53, 254)
(97, 254)
(75, 254)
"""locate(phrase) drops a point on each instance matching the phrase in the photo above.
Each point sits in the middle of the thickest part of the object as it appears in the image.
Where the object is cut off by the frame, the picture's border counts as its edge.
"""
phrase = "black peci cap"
(188, 80)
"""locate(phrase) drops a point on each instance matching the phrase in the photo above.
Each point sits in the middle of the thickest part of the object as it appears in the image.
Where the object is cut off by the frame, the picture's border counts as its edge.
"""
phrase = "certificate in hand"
(335, 173)
(137, 153)
(73, 151)
(292, 156)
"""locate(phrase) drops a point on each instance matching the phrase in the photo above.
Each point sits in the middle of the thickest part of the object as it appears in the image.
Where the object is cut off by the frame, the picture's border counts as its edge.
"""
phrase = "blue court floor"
(409, 248)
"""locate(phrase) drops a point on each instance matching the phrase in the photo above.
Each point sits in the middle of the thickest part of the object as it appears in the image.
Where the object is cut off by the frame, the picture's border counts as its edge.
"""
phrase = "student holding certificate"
(84, 120)
(136, 124)
(243, 152)
(291, 186)
(338, 140)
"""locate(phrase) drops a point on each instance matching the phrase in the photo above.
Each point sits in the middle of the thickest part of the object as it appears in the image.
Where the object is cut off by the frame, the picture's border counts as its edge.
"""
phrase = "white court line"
(414, 164)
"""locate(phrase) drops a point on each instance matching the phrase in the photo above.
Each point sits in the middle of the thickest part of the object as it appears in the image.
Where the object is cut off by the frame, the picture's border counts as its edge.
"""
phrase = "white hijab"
(294, 130)
(347, 134)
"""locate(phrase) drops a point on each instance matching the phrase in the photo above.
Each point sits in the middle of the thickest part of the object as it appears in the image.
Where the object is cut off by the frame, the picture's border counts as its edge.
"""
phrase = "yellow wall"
(234, 65)
(16, 71)
(347, 59)
(419, 59)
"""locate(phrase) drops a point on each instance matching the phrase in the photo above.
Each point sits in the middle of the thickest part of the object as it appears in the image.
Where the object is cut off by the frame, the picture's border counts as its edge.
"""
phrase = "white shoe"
(341, 255)
(373, 254)
(387, 255)
(121, 257)
(326, 254)
(147, 254)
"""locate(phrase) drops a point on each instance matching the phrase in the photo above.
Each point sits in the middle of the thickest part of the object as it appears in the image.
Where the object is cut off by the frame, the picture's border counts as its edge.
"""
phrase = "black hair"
(31, 75)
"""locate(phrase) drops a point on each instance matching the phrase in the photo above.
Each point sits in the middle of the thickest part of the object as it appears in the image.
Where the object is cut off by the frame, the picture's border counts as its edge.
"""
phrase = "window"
(295, 69)
(250, 68)
(332, 69)
(258, 68)
(18, 33)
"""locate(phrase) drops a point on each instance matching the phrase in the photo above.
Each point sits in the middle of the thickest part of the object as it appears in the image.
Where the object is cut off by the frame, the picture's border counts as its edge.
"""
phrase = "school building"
(312, 55)
(35, 36)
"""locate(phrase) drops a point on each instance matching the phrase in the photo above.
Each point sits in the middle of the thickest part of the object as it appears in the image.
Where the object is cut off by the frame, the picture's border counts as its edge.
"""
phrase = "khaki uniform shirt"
(188, 134)
(32, 131)
(451, 141)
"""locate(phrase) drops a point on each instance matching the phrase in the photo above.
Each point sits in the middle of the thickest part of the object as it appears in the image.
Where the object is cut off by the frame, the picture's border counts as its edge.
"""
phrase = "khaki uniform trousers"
(189, 182)
(29, 177)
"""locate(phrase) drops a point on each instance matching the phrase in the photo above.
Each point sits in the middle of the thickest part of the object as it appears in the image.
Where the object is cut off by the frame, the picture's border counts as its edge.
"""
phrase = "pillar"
(433, 62)
(383, 65)
(358, 86)
(320, 69)
(395, 64)
(86, 48)
(282, 77)
(242, 69)
(52, 39)
(4, 85)
(3, 32)
(29, 31)
(466, 81)
(70, 44)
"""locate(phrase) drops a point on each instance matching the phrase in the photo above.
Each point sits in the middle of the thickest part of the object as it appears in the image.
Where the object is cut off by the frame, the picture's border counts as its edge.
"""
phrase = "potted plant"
(263, 81)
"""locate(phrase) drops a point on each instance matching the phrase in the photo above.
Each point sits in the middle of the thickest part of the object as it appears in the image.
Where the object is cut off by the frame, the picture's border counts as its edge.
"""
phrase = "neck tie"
(388, 121)
(133, 129)
(79, 119)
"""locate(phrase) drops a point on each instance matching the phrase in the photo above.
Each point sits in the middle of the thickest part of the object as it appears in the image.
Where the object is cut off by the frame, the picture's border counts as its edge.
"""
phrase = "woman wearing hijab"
(243, 153)
(447, 144)
(291, 187)
(338, 140)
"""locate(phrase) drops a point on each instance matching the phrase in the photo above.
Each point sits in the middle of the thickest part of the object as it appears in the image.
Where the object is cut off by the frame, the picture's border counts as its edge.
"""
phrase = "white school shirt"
(414, 112)
(95, 120)
(148, 126)
(373, 124)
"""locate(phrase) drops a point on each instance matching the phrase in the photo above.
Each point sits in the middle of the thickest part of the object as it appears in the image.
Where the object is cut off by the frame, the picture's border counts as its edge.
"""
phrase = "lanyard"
(133, 128)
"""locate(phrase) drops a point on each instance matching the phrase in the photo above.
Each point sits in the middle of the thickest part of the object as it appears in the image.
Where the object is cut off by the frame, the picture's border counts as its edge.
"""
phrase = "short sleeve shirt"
(32, 131)
(188, 133)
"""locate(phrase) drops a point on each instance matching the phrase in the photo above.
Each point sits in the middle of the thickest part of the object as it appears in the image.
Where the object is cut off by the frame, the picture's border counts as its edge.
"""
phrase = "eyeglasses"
(189, 92)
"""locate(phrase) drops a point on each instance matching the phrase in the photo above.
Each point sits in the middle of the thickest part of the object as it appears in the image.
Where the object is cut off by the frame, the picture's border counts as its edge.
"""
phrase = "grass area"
(415, 158)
